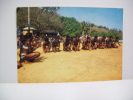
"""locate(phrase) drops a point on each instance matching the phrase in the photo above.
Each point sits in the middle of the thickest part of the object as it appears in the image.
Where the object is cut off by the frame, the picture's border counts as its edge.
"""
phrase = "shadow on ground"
(40, 59)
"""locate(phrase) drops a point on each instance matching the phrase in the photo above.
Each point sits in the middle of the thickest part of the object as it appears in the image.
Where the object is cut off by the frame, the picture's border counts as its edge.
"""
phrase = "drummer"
(27, 51)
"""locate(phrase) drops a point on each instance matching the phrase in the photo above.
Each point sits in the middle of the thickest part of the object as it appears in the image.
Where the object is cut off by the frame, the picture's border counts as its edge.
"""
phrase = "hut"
(26, 29)
(50, 33)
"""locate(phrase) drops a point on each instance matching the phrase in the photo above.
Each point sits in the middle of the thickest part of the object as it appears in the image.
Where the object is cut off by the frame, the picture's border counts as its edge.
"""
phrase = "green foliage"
(47, 18)
(85, 27)
(71, 26)
(22, 17)
(42, 19)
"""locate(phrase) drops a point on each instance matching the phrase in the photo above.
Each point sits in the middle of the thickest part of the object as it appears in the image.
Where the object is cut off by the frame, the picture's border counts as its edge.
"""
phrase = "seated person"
(26, 52)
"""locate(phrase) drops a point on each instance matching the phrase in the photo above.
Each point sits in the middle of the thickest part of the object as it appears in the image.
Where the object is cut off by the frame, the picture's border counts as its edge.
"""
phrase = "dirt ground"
(80, 66)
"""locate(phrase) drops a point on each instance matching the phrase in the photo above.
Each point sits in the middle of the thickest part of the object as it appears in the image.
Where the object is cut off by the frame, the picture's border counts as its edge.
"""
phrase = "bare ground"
(80, 66)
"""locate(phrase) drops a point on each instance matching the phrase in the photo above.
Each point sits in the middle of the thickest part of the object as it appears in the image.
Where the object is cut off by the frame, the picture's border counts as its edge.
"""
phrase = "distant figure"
(46, 44)
(94, 42)
(76, 43)
(109, 42)
(101, 42)
(117, 41)
(86, 42)
(67, 43)
(55, 43)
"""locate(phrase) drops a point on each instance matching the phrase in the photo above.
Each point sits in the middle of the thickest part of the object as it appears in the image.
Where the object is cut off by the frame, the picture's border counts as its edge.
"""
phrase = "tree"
(71, 26)
(47, 18)
(44, 18)
(22, 17)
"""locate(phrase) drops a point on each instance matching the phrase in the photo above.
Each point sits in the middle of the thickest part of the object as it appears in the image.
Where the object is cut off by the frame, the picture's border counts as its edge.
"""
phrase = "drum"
(32, 56)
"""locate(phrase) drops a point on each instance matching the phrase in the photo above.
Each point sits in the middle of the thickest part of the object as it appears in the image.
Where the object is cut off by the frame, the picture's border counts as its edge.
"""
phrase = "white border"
(106, 90)
(8, 70)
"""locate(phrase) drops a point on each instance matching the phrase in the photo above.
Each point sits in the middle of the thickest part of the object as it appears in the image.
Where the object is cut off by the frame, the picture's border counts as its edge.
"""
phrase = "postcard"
(69, 44)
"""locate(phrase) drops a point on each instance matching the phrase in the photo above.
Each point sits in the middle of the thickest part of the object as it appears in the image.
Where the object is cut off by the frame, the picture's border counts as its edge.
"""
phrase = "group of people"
(29, 43)
(100, 42)
(74, 43)
(49, 43)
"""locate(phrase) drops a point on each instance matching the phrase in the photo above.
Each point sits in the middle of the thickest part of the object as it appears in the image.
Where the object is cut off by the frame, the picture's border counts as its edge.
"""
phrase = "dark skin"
(117, 41)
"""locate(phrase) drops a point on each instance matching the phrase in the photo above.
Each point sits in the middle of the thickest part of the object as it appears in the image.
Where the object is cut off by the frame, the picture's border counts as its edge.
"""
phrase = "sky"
(109, 17)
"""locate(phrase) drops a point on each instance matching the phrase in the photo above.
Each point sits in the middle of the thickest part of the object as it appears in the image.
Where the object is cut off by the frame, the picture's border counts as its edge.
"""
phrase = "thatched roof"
(50, 32)
(27, 28)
